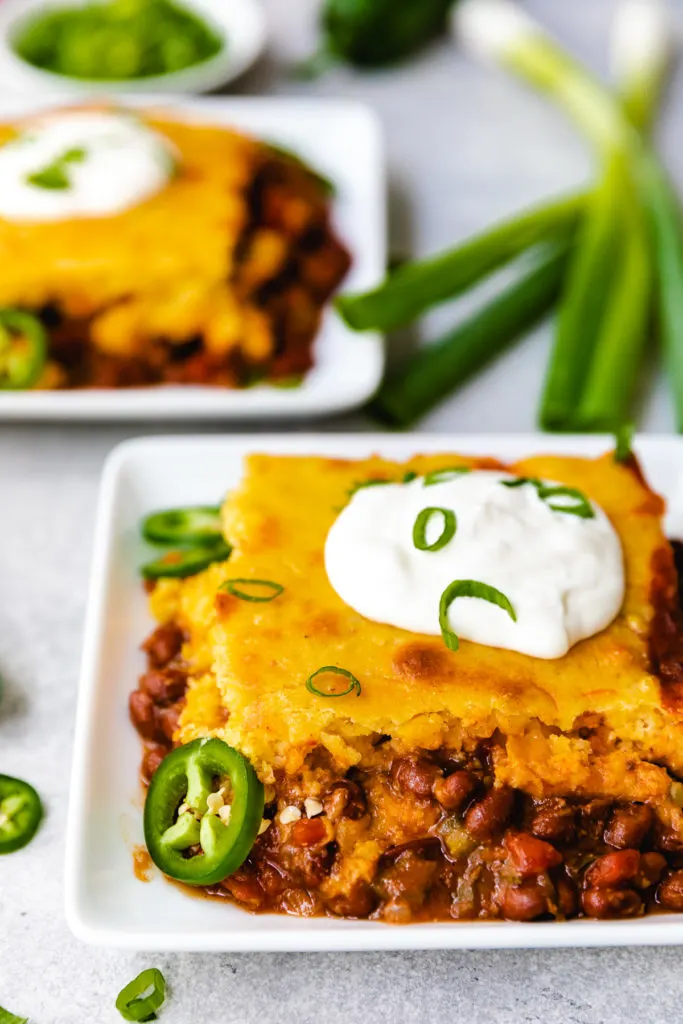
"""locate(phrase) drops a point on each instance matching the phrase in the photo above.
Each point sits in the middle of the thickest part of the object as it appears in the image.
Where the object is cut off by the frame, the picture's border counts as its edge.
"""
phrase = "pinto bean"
(143, 715)
(414, 775)
(652, 867)
(453, 790)
(153, 757)
(164, 644)
(605, 903)
(613, 870)
(311, 866)
(554, 820)
(628, 826)
(670, 892)
(168, 719)
(531, 856)
(358, 902)
(669, 840)
(345, 799)
(523, 902)
(309, 832)
(299, 903)
(488, 817)
(164, 685)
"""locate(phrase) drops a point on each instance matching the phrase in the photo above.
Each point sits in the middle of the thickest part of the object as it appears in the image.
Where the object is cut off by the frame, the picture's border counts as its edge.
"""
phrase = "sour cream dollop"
(563, 574)
(82, 164)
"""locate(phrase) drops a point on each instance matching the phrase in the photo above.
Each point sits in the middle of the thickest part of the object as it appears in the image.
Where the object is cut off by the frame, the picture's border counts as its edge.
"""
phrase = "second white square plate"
(105, 903)
(342, 140)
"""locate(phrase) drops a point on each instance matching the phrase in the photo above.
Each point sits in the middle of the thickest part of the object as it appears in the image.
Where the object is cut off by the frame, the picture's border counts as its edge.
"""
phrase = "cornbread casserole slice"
(220, 277)
(472, 783)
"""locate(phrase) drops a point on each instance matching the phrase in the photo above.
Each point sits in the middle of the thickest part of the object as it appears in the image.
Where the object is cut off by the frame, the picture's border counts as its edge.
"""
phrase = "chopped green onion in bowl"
(116, 40)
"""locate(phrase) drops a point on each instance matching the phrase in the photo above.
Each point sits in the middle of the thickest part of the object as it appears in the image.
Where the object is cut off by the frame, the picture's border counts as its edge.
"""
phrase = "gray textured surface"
(464, 146)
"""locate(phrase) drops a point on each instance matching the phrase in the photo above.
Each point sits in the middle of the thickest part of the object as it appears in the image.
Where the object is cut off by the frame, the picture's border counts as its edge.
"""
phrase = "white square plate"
(105, 903)
(341, 139)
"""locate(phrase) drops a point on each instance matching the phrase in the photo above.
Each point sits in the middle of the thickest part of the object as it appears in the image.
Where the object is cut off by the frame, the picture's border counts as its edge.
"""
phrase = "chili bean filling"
(288, 263)
(468, 849)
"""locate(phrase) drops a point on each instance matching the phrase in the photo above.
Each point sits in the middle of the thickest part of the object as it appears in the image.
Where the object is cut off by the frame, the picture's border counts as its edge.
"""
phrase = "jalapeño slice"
(23, 350)
(194, 524)
(182, 563)
(20, 814)
(184, 838)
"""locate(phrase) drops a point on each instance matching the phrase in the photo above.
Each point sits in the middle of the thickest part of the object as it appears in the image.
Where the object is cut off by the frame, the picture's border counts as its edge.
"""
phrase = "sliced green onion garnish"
(376, 482)
(468, 588)
(142, 997)
(54, 176)
(362, 484)
(442, 476)
(336, 671)
(450, 525)
(623, 440)
(235, 587)
(582, 508)
(520, 481)
(10, 1018)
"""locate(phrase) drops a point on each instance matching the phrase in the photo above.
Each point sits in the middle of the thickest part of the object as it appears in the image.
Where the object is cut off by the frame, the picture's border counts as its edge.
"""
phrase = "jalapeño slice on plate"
(188, 562)
(20, 814)
(194, 524)
(185, 839)
(23, 350)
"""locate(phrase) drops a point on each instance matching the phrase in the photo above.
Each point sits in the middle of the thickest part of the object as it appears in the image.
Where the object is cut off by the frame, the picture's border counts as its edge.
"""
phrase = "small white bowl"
(241, 23)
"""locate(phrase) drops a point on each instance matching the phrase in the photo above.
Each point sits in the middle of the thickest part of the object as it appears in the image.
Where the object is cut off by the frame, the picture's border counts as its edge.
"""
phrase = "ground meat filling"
(475, 850)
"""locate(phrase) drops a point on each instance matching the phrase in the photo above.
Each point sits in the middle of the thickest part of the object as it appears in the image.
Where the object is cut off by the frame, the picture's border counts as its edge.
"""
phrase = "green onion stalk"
(602, 328)
(419, 286)
(438, 368)
(641, 59)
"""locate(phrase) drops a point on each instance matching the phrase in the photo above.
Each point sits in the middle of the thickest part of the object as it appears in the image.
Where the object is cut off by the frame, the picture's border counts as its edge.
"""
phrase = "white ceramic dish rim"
(660, 456)
(241, 24)
(344, 139)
